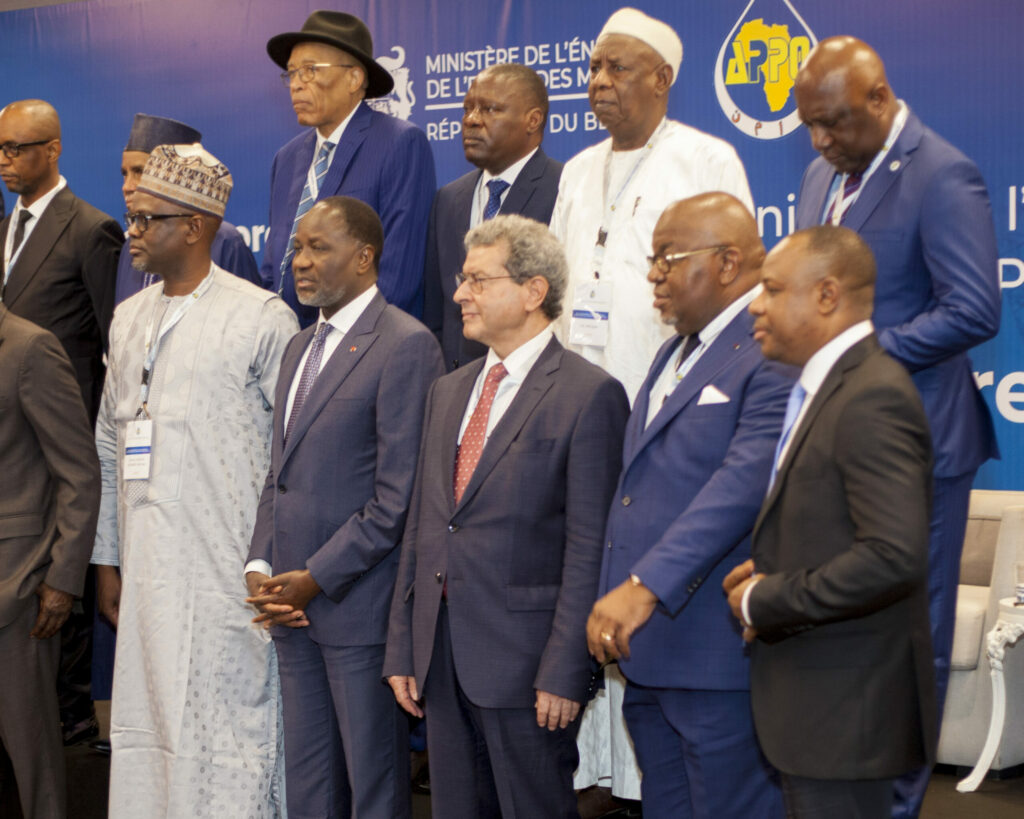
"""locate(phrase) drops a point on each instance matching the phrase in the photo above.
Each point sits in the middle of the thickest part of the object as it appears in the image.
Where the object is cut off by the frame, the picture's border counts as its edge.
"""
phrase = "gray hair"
(533, 250)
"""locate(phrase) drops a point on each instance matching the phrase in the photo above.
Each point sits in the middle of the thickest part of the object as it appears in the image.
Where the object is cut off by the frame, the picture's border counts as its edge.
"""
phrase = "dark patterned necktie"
(496, 187)
(309, 374)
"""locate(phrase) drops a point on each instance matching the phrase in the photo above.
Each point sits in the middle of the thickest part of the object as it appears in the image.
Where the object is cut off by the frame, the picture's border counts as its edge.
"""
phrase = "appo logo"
(756, 70)
(400, 101)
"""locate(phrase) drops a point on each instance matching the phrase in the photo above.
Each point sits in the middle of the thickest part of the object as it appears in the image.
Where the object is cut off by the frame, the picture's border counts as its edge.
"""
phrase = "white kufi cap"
(658, 35)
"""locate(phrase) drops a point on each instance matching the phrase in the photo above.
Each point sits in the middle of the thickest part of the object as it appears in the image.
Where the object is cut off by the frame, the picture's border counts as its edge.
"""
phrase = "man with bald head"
(841, 671)
(612, 194)
(503, 118)
(59, 272)
(923, 208)
(697, 456)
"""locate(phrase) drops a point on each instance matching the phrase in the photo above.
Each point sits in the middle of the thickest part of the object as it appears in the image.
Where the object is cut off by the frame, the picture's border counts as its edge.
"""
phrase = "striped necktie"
(850, 188)
(320, 166)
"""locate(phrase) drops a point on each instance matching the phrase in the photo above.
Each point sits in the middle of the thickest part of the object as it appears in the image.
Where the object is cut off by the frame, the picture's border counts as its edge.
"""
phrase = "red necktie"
(850, 187)
(472, 445)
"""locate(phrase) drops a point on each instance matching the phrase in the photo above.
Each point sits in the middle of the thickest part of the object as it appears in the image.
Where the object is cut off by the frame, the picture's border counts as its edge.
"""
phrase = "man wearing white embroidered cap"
(184, 443)
(609, 199)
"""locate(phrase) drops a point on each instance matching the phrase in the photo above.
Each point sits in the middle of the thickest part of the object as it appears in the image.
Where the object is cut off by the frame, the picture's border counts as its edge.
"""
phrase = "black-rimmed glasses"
(140, 221)
(13, 149)
(664, 262)
(307, 73)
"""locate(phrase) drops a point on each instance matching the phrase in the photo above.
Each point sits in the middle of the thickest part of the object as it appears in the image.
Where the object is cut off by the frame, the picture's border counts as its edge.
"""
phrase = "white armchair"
(994, 539)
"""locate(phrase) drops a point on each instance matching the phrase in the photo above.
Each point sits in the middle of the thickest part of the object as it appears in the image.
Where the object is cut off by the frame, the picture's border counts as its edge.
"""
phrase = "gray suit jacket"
(521, 552)
(64, 281)
(337, 493)
(842, 677)
(49, 472)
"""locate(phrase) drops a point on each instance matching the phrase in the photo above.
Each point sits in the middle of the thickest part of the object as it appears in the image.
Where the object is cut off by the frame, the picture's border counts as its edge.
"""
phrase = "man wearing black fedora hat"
(350, 150)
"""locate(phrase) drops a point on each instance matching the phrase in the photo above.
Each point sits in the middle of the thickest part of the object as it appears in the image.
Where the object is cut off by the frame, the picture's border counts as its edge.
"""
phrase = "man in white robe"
(609, 199)
(184, 450)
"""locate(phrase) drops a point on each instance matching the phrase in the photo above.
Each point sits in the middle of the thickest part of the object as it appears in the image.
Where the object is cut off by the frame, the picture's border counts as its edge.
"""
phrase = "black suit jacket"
(841, 676)
(64, 281)
(533, 195)
(521, 552)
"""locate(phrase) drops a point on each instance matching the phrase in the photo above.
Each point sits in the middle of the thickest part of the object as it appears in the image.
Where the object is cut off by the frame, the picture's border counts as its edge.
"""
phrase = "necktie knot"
(495, 374)
(496, 187)
(19, 230)
(692, 343)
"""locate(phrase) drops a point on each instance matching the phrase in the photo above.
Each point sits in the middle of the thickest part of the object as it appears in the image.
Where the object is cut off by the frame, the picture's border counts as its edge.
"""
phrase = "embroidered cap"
(187, 175)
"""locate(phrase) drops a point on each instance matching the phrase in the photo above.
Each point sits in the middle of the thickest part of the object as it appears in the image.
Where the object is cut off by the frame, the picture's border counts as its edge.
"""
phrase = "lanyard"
(153, 341)
(609, 207)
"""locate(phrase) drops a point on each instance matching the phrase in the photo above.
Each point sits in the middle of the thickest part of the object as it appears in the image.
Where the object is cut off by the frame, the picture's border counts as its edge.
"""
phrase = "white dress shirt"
(36, 209)
(673, 372)
(812, 376)
(341, 322)
(518, 363)
(334, 138)
(483, 193)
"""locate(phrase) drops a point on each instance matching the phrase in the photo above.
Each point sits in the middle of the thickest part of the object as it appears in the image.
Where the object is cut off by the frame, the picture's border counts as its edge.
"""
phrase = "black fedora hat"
(342, 31)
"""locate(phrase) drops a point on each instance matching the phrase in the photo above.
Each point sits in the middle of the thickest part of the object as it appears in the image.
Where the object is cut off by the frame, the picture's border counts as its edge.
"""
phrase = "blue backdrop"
(957, 63)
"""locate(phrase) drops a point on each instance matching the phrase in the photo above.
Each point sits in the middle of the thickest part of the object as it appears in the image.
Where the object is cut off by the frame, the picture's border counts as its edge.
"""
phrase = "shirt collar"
(37, 207)
(520, 361)
(511, 173)
(714, 327)
(821, 363)
(336, 134)
(343, 320)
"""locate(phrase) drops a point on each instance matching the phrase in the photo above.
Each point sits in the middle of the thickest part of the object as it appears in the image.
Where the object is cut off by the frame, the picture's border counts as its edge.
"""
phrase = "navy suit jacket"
(695, 480)
(532, 195)
(337, 494)
(64, 281)
(842, 675)
(380, 160)
(926, 215)
(521, 552)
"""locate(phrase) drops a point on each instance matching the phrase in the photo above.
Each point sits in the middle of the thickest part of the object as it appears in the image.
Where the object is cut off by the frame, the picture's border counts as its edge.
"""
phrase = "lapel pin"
(351, 349)
(735, 346)
(894, 165)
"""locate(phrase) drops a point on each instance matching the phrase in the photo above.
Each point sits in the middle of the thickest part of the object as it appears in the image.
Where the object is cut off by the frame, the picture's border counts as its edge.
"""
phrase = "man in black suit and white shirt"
(503, 120)
(835, 597)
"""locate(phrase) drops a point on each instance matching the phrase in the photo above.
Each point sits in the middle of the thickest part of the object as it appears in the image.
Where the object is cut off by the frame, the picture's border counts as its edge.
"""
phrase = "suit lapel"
(40, 243)
(525, 185)
(638, 417)
(885, 175)
(460, 215)
(346, 356)
(537, 382)
(3, 315)
(351, 139)
(833, 381)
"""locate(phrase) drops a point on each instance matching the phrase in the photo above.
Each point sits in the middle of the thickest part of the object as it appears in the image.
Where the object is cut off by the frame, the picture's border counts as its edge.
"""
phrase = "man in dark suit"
(350, 150)
(503, 120)
(49, 501)
(697, 457)
(501, 555)
(841, 672)
(347, 428)
(923, 208)
(59, 265)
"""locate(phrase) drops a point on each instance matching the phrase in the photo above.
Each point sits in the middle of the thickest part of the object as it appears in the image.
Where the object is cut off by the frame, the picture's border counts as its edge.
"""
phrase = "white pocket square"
(712, 395)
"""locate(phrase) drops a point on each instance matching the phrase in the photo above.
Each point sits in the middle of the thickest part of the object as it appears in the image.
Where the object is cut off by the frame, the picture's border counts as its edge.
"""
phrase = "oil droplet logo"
(757, 66)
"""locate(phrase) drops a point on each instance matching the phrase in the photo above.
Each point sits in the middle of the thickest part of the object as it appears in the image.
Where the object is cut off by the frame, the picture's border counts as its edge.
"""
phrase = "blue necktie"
(796, 401)
(305, 203)
(497, 188)
(309, 374)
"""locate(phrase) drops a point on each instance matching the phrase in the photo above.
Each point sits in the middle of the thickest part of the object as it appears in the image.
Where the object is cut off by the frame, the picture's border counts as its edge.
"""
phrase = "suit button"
(609, 544)
(452, 528)
(626, 501)
(438, 577)
(282, 488)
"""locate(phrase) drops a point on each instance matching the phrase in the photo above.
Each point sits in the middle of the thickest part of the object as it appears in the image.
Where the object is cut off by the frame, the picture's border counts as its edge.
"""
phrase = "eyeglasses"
(476, 283)
(664, 263)
(307, 73)
(13, 149)
(140, 221)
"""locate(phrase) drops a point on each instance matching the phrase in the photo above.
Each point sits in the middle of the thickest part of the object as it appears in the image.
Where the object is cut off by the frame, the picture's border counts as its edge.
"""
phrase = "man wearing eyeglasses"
(183, 437)
(696, 463)
(59, 267)
(350, 150)
(59, 253)
(502, 549)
